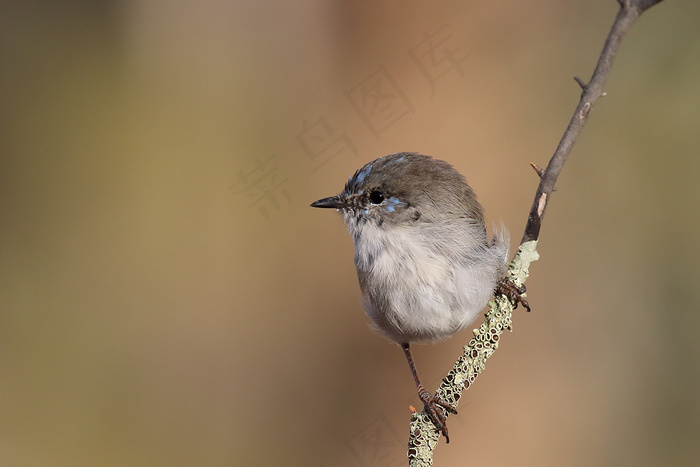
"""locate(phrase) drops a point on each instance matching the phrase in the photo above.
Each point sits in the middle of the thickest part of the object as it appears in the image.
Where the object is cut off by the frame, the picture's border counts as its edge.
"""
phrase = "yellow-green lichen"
(423, 435)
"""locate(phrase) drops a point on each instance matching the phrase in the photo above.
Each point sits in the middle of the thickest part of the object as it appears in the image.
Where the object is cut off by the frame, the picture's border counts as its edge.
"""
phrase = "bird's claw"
(512, 292)
(434, 407)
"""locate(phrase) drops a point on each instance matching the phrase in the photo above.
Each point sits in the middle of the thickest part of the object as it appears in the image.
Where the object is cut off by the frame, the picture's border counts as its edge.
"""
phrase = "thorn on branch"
(540, 172)
(537, 168)
(641, 5)
(646, 4)
(580, 82)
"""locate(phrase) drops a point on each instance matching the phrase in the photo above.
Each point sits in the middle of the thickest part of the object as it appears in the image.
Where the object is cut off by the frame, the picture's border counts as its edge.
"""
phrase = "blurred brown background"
(169, 298)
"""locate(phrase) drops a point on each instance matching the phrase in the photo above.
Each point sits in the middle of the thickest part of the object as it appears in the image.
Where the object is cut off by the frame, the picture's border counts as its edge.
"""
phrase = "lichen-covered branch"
(423, 437)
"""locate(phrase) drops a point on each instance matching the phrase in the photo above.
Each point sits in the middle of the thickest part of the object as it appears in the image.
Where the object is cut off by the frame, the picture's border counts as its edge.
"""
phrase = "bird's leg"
(430, 402)
(512, 292)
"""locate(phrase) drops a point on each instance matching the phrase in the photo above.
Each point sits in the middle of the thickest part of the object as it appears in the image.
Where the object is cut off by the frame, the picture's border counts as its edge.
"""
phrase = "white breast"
(412, 291)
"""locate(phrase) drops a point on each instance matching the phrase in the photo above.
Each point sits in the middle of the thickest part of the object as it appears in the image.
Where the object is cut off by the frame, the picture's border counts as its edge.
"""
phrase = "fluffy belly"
(410, 292)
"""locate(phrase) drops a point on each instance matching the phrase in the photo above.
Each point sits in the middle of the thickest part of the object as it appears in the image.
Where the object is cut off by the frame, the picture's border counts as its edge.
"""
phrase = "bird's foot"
(434, 408)
(512, 292)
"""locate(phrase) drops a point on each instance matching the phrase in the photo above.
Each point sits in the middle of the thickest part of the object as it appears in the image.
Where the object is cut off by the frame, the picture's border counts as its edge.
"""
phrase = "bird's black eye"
(376, 197)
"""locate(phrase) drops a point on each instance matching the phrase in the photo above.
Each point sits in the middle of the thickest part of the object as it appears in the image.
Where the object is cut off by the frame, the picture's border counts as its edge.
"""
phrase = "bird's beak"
(333, 202)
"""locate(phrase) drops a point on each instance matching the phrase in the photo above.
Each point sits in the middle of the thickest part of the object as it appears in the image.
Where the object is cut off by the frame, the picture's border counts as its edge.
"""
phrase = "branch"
(629, 12)
(423, 436)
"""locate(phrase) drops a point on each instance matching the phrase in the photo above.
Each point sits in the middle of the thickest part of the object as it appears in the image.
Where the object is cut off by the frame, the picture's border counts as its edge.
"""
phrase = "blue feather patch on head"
(360, 177)
(392, 203)
(356, 180)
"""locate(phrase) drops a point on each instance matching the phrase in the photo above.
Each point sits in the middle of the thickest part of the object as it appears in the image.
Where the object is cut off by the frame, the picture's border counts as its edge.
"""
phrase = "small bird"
(425, 264)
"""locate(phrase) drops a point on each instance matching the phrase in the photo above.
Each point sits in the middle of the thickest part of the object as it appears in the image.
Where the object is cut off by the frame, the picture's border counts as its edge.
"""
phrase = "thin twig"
(423, 437)
(629, 12)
